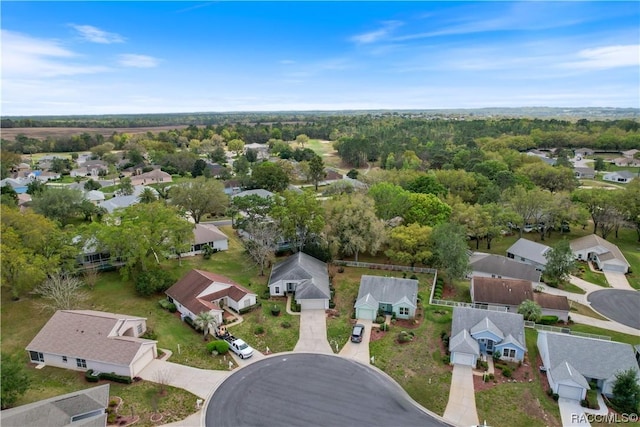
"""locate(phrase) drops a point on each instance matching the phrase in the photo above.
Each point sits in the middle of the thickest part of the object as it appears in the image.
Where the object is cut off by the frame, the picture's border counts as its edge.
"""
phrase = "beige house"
(88, 339)
(155, 176)
(207, 234)
(604, 254)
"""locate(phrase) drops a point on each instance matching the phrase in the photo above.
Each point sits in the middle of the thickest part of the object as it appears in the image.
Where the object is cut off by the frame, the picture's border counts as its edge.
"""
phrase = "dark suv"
(357, 333)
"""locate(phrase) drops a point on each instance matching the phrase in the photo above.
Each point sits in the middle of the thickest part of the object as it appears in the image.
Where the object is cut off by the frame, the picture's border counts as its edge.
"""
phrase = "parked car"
(357, 333)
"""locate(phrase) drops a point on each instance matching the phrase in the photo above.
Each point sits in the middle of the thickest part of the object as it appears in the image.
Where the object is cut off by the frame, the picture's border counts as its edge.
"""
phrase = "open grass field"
(55, 132)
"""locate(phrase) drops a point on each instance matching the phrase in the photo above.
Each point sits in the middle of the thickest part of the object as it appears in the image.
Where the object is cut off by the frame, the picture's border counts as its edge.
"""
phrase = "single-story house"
(88, 339)
(94, 196)
(155, 176)
(86, 408)
(19, 185)
(476, 333)
(200, 291)
(121, 202)
(260, 192)
(622, 177)
(305, 276)
(584, 173)
(605, 255)
(511, 293)
(529, 252)
(43, 176)
(262, 150)
(584, 152)
(630, 153)
(207, 235)
(216, 170)
(232, 187)
(572, 362)
(488, 265)
(389, 295)
(626, 161)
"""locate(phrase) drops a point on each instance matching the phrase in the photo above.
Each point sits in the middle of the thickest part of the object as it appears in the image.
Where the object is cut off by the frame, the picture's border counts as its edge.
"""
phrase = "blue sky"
(155, 57)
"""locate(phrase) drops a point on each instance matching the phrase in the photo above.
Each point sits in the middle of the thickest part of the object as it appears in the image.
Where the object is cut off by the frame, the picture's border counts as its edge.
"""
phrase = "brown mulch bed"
(524, 373)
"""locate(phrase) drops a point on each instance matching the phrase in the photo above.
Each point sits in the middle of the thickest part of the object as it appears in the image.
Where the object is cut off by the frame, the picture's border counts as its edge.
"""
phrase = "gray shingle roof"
(508, 323)
(302, 267)
(87, 334)
(58, 411)
(591, 357)
(593, 240)
(388, 290)
(464, 343)
(565, 371)
(258, 192)
(530, 250)
(503, 266)
(205, 233)
(487, 325)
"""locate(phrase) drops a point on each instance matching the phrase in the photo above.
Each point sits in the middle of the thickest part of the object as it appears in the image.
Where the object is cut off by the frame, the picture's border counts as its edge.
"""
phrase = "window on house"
(139, 328)
(403, 311)
(36, 356)
(64, 359)
(81, 363)
(508, 352)
(277, 290)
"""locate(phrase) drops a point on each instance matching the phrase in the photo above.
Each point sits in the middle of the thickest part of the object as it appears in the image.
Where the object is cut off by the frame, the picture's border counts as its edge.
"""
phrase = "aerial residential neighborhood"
(333, 214)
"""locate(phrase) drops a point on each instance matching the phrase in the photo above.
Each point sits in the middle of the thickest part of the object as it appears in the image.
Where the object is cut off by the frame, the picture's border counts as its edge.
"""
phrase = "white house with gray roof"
(389, 295)
(604, 254)
(501, 267)
(88, 339)
(621, 177)
(476, 333)
(306, 277)
(573, 362)
(529, 252)
(86, 408)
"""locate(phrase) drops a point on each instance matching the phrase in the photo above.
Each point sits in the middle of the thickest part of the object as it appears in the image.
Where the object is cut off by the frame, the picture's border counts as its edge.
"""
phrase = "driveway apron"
(313, 332)
(200, 382)
(359, 351)
(618, 281)
(461, 408)
(572, 413)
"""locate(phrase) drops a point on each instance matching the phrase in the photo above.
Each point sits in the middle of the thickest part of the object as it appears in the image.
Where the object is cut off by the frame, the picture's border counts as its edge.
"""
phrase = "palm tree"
(204, 320)
(147, 196)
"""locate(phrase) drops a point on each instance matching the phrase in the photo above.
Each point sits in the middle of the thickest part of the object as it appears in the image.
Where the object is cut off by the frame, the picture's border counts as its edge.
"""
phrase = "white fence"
(390, 267)
(565, 330)
(468, 305)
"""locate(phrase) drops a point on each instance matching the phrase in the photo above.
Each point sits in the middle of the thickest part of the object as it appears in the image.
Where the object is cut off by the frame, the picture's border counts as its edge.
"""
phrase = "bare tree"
(260, 243)
(90, 277)
(163, 377)
(61, 292)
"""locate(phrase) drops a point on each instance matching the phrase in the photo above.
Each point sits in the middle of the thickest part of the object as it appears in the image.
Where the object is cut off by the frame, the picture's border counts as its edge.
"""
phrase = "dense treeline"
(369, 137)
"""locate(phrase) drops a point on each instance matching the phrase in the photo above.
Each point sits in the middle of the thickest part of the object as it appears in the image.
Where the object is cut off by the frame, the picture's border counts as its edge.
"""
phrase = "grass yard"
(615, 336)
(584, 310)
(597, 278)
(519, 404)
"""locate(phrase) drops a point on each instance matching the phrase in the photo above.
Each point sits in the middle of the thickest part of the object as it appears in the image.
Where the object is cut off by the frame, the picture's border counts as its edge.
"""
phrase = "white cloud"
(137, 61)
(26, 56)
(380, 34)
(96, 35)
(606, 57)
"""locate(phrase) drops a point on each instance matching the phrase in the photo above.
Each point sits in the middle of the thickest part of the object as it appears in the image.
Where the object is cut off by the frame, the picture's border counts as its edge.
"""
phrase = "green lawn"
(597, 278)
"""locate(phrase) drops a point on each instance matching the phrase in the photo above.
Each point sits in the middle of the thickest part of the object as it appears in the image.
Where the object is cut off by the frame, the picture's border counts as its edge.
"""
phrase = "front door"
(489, 347)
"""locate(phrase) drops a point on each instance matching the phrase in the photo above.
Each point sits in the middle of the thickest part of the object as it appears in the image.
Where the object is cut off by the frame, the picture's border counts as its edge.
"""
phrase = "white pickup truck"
(236, 345)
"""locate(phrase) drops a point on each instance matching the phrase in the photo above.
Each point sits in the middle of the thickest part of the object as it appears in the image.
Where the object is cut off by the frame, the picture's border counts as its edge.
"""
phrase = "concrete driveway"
(572, 413)
(618, 281)
(359, 351)
(461, 408)
(200, 382)
(313, 332)
(244, 362)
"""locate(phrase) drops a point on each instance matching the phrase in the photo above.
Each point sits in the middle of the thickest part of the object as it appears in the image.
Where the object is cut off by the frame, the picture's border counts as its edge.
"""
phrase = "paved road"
(619, 305)
(313, 390)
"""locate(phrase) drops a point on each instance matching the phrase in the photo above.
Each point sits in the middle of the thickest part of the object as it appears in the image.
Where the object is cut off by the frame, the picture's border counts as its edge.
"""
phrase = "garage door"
(570, 392)
(365, 313)
(313, 304)
(463, 359)
(614, 267)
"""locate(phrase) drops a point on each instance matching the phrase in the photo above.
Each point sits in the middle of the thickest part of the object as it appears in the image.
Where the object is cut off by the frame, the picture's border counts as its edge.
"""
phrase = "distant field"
(42, 133)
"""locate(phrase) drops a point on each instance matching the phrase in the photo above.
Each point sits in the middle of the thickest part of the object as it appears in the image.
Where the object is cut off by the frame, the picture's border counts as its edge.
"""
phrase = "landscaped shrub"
(258, 330)
(88, 375)
(111, 376)
(153, 281)
(549, 392)
(275, 310)
(384, 327)
(555, 396)
(380, 319)
(189, 321)
(413, 277)
(111, 418)
(506, 372)
(149, 334)
(403, 337)
(266, 294)
(219, 346)
(285, 324)
(332, 304)
(341, 269)
(549, 320)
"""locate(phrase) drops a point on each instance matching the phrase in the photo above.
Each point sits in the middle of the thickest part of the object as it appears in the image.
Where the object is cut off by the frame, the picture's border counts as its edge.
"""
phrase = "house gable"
(309, 276)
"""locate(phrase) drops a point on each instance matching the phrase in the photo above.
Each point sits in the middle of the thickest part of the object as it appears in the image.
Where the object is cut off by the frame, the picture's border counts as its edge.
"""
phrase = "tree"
(125, 187)
(299, 216)
(92, 185)
(599, 164)
(8, 160)
(59, 204)
(198, 168)
(631, 200)
(102, 149)
(549, 177)
(236, 145)
(390, 200)
(15, 379)
(316, 170)
(426, 209)
(527, 204)
(530, 310)
(427, 184)
(36, 187)
(302, 139)
(602, 206)
(560, 262)
(626, 391)
(352, 226)
(249, 209)
(353, 174)
(450, 251)
(241, 166)
(61, 292)
(148, 195)
(205, 320)
(9, 195)
(144, 234)
(31, 247)
(269, 176)
(218, 155)
(260, 242)
(410, 244)
(474, 219)
(200, 196)
(251, 155)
